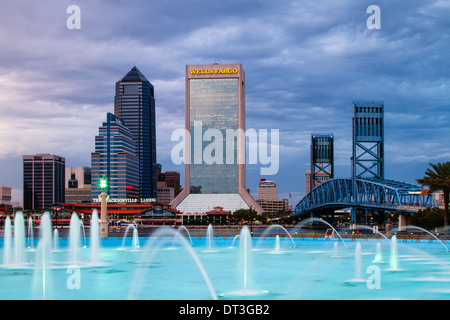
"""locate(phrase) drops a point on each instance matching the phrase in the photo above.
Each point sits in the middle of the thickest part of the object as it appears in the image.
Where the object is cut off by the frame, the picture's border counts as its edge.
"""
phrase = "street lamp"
(103, 184)
(103, 208)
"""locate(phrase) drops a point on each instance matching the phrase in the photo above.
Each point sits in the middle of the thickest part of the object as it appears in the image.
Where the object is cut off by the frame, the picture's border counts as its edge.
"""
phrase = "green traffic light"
(103, 184)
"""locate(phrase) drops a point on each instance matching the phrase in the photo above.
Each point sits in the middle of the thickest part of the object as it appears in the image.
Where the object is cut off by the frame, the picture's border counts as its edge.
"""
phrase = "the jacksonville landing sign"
(219, 143)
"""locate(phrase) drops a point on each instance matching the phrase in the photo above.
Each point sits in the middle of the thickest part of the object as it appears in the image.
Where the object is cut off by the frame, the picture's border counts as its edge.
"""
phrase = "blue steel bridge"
(367, 190)
(369, 194)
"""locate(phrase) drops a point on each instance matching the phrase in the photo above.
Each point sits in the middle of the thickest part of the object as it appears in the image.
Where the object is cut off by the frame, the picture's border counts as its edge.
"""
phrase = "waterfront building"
(215, 173)
(134, 103)
(267, 190)
(43, 180)
(267, 198)
(115, 159)
(154, 213)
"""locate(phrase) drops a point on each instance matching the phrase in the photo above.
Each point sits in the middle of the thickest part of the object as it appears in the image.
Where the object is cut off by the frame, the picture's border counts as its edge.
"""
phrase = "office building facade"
(215, 111)
(43, 181)
(267, 190)
(115, 159)
(267, 198)
(5, 195)
(78, 184)
(134, 103)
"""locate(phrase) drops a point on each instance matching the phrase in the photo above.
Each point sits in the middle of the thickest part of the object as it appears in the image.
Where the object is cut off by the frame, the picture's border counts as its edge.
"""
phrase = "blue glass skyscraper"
(135, 104)
(115, 159)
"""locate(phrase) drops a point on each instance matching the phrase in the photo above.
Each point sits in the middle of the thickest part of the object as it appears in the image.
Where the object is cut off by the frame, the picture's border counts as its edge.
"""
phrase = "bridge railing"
(387, 195)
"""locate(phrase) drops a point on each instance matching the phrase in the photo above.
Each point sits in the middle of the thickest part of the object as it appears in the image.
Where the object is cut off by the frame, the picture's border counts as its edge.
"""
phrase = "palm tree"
(438, 178)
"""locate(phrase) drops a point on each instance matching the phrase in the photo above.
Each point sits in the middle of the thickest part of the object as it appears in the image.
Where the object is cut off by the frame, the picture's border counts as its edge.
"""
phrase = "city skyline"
(305, 63)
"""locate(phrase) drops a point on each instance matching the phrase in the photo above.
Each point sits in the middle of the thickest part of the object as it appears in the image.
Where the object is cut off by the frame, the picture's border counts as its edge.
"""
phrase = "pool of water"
(168, 267)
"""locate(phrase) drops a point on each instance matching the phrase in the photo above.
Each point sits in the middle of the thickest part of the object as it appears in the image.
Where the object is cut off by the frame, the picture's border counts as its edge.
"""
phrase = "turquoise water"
(170, 268)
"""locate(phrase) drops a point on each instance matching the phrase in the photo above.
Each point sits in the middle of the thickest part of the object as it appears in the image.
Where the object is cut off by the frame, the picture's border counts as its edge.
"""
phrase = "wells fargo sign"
(214, 71)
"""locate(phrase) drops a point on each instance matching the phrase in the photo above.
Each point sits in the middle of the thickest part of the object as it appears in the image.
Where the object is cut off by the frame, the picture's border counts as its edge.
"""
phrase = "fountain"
(269, 229)
(74, 238)
(245, 249)
(95, 238)
(152, 272)
(394, 254)
(210, 238)
(322, 221)
(234, 240)
(55, 239)
(150, 250)
(135, 238)
(19, 239)
(378, 254)
(277, 244)
(42, 274)
(187, 231)
(30, 233)
(358, 257)
(7, 243)
(84, 233)
(422, 229)
(45, 232)
(336, 250)
(372, 229)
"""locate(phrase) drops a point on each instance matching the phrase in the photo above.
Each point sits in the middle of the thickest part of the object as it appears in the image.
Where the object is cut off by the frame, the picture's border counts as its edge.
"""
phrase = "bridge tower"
(368, 142)
(322, 158)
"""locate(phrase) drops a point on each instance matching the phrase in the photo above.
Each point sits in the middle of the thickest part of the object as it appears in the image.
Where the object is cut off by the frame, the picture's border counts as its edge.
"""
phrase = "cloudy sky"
(305, 62)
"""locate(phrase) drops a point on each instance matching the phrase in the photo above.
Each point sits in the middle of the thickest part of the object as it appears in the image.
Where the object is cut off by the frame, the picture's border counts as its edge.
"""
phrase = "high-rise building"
(43, 181)
(267, 198)
(5, 195)
(115, 159)
(135, 104)
(267, 190)
(215, 111)
(169, 179)
(78, 177)
(78, 184)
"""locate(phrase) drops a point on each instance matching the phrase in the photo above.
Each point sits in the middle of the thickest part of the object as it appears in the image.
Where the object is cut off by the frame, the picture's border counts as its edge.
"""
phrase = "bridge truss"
(364, 193)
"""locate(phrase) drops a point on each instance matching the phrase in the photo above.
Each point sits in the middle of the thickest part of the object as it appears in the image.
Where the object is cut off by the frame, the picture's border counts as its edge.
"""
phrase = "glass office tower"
(135, 104)
(215, 161)
(43, 181)
(214, 105)
(115, 159)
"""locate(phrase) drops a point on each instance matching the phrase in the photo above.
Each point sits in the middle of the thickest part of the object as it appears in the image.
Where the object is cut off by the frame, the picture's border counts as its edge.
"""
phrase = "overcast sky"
(305, 62)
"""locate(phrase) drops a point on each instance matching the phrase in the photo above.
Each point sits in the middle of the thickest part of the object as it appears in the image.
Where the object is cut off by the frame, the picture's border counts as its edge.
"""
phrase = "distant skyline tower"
(215, 104)
(43, 181)
(368, 140)
(322, 160)
(134, 103)
(115, 159)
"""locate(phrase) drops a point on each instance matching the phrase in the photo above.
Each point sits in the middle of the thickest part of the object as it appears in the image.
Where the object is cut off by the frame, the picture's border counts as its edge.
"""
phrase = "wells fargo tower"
(214, 107)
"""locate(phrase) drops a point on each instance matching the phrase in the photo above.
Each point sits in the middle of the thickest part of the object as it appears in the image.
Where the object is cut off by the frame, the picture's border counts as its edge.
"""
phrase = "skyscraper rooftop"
(134, 75)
